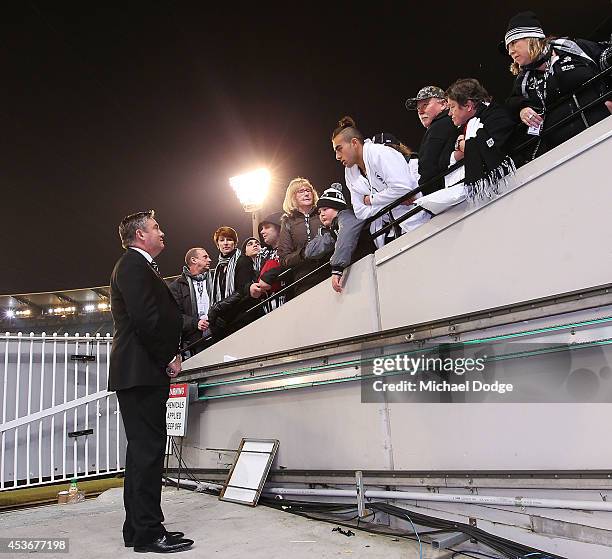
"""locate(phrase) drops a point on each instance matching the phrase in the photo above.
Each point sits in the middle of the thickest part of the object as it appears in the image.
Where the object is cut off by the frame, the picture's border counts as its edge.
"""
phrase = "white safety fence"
(58, 419)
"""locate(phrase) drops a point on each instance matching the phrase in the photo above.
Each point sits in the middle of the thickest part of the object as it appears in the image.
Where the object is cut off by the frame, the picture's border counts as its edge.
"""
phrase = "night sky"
(109, 108)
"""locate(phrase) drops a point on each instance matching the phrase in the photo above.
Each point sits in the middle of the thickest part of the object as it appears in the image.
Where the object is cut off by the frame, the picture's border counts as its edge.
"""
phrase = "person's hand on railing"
(259, 289)
(367, 200)
(408, 201)
(202, 324)
(256, 291)
(337, 283)
(530, 118)
(265, 287)
(609, 105)
(459, 152)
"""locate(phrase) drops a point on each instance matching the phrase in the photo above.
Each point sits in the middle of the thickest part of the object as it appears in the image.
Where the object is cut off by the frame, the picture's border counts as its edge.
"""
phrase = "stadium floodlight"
(10, 313)
(89, 308)
(252, 189)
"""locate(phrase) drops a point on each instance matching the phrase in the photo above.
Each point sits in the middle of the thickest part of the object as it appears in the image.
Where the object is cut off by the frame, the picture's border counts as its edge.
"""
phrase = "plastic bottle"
(74, 495)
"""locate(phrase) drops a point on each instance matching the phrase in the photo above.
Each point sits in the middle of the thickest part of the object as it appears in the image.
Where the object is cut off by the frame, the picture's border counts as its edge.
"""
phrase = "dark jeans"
(143, 409)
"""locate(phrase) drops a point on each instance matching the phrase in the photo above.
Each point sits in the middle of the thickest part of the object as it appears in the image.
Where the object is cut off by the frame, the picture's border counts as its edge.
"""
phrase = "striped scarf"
(257, 263)
(227, 267)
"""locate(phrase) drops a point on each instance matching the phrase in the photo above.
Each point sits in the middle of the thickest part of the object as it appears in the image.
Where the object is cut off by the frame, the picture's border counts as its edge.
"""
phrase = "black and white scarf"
(257, 263)
(487, 167)
(225, 266)
(199, 282)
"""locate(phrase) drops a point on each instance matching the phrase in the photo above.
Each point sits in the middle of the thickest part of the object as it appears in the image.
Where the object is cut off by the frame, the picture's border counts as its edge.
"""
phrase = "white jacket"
(389, 176)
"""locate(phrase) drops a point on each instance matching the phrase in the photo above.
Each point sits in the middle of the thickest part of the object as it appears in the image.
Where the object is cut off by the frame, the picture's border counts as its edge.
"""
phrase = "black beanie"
(246, 241)
(523, 25)
(332, 198)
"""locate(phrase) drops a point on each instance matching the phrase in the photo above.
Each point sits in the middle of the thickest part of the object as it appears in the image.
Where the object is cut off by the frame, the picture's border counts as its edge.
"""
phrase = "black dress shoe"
(171, 534)
(165, 544)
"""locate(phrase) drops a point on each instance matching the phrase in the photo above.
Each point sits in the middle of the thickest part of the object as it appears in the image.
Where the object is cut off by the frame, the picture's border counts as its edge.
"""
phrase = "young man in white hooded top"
(376, 175)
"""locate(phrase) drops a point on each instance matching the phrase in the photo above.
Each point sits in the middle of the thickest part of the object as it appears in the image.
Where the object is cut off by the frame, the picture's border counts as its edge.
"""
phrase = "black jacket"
(486, 159)
(230, 314)
(579, 60)
(182, 294)
(434, 153)
(245, 274)
(147, 325)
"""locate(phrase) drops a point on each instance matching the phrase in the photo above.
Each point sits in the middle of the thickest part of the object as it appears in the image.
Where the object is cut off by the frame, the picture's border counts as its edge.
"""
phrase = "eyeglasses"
(303, 191)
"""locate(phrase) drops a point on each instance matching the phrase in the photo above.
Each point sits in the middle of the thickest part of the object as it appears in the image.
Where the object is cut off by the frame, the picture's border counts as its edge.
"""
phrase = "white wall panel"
(546, 237)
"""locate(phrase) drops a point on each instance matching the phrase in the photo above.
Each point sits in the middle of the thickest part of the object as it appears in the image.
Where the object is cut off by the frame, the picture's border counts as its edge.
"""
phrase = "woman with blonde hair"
(549, 69)
(299, 224)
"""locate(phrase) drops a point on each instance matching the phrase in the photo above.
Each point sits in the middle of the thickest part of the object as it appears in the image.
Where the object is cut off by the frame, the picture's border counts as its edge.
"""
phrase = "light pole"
(251, 189)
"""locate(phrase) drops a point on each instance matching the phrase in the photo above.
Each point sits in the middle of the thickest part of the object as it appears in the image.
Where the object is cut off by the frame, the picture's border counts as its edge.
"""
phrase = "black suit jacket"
(435, 151)
(147, 324)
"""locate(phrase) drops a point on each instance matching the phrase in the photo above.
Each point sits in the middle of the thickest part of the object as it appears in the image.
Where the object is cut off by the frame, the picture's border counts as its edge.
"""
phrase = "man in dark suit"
(143, 359)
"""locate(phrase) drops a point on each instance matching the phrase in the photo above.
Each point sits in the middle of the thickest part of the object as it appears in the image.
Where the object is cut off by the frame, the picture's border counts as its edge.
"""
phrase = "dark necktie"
(155, 266)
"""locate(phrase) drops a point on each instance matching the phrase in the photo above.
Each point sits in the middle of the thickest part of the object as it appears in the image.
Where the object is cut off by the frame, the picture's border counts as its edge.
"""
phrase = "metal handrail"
(287, 287)
(564, 120)
(404, 197)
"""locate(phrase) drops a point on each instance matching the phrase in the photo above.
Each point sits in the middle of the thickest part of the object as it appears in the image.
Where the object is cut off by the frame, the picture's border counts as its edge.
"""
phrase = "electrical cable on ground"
(473, 554)
(510, 549)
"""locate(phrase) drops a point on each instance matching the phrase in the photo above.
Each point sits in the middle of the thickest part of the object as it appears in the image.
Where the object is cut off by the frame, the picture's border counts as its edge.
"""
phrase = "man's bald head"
(197, 260)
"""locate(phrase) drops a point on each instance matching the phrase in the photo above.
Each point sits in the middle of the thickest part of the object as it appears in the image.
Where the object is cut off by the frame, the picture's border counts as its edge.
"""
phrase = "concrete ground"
(220, 529)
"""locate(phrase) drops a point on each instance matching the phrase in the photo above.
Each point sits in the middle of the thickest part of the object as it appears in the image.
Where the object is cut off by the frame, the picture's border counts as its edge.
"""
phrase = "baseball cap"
(426, 92)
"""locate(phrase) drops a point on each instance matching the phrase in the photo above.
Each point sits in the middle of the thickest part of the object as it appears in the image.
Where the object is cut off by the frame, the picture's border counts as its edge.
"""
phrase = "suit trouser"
(143, 409)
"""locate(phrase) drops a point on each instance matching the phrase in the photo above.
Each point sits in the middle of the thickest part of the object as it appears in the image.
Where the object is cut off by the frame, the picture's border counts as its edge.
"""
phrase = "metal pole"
(255, 219)
(75, 421)
(29, 428)
(361, 508)
(40, 407)
(15, 453)
(520, 502)
(180, 461)
(97, 404)
(4, 395)
(169, 449)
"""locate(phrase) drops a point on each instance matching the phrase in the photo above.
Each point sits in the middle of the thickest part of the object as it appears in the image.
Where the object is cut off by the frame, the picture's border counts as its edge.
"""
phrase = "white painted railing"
(48, 396)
